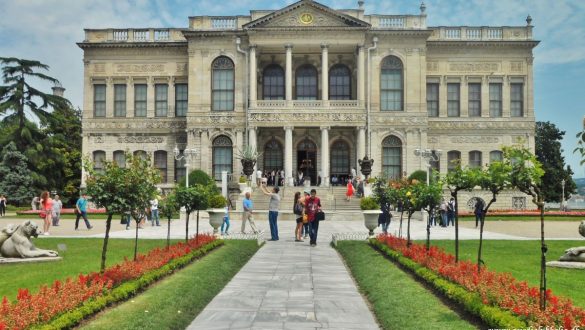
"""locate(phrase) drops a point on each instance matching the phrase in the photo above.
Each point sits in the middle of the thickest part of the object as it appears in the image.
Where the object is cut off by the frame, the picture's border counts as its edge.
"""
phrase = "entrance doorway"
(307, 160)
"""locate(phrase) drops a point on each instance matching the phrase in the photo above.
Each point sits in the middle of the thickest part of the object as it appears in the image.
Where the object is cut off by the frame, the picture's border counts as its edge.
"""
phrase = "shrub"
(369, 203)
(217, 202)
(243, 179)
(419, 175)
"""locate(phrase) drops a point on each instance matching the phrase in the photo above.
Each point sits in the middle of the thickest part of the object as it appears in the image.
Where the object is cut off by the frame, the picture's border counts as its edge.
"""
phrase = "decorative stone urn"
(216, 218)
(371, 220)
(248, 166)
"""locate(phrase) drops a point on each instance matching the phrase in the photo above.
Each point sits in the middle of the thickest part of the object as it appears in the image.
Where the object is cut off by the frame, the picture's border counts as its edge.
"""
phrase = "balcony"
(133, 35)
(299, 113)
(397, 22)
(483, 33)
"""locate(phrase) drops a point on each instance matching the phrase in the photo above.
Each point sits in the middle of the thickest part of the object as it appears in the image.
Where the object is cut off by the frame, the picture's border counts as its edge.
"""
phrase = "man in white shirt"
(154, 212)
(258, 178)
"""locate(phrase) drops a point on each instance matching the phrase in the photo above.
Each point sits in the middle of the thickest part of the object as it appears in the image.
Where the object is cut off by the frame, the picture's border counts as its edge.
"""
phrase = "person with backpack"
(299, 212)
(451, 212)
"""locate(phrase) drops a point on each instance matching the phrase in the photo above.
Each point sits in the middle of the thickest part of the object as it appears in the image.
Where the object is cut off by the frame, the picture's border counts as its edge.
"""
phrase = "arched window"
(160, 163)
(496, 156)
(339, 82)
(273, 155)
(273, 83)
(222, 156)
(339, 158)
(222, 88)
(391, 84)
(99, 158)
(120, 158)
(306, 82)
(453, 160)
(475, 159)
(392, 157)
(141, 153)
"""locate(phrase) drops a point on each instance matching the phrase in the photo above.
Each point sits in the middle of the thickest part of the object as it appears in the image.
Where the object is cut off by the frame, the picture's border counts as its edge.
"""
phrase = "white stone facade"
(392, 85)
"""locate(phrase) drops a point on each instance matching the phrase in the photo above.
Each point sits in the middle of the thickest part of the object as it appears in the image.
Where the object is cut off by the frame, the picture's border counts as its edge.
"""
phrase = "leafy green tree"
(581, 144)
(428, 199)
(16, 177)
(194, 198)
(550, 154)
(122, 189)
(19, 98)
(526, 176)
(418, 175)
(168, 207)
(457, 180)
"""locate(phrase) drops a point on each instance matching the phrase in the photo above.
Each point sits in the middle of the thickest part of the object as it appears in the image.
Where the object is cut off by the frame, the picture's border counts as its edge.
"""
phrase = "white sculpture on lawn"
(15, 242)
(576, 253)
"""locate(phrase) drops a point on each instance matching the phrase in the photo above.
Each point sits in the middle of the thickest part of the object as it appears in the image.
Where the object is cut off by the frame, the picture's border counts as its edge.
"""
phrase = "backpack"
(298, 209)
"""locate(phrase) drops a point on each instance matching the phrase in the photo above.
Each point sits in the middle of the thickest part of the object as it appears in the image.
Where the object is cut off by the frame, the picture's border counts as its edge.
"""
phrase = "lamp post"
(563, 195)
(429, 155)
(188, 155)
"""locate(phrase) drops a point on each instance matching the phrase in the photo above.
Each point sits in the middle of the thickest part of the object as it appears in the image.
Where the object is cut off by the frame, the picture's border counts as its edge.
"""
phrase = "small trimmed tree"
(526, 176)
(428, 199)
(168, 207)
(194, 198)
(119, 189)
(458, 179)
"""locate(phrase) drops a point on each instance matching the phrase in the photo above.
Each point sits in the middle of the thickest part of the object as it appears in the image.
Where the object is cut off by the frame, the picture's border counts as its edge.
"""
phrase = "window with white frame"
(181, 100)
(99, 100)
(517, 99)
(495, 100)
(474, 99)
(433, 99)
(391, 84)
(140, 91)
(453, 100)
(161, 100)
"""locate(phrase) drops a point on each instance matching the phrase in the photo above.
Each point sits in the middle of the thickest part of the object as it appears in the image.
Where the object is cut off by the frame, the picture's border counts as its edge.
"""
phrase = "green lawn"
(398, 301)
(522, 260)
(498, 217)
(83, 255)
(176, 301)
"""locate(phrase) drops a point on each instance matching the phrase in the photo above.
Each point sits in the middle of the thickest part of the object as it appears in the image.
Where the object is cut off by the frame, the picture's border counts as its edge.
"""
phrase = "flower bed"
(65, 304)
(535, 213)
(499, 290)
(63, 211)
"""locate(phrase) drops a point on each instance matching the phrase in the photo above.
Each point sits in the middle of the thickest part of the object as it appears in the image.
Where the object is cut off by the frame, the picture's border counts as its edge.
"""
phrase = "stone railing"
(134, 35)
(393, 22)
(484, 33)
(218, 22)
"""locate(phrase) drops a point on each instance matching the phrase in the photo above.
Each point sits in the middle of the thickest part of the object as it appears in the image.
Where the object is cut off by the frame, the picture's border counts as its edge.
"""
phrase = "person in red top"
(312, 206)
(349, 192)
(47, 207)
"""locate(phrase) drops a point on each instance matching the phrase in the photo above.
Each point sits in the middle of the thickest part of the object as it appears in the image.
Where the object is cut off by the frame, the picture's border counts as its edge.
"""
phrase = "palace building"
(315, 89)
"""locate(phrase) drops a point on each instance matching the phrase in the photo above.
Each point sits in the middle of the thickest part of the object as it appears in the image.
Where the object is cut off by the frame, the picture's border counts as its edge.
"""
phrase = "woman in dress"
(47, 208)
(299, 211)
(349, 192)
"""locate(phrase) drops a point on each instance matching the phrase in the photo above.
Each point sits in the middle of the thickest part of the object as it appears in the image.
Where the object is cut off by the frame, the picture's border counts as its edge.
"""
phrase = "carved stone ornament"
(475, 139)
(141, 139)
(474, 67)
(300, 118)
(15, 242)
(140, 68)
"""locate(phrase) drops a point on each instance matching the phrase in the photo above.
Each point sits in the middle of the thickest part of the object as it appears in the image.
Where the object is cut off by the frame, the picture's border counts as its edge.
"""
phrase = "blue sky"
(47, 30)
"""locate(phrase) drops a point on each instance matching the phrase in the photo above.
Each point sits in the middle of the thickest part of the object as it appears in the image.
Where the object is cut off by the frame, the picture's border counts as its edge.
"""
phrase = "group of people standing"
(270, 178)
(445, 215)
(50, 210)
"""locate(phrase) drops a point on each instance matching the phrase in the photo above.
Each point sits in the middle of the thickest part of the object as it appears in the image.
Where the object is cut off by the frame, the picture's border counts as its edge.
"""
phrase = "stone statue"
(576, 253)
(15, 242)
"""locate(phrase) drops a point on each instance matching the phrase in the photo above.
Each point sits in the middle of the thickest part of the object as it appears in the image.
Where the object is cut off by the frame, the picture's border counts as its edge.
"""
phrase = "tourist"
(451, 212)
(305, 230)
(273, 207)
(2, 205)
(334, 180)
(478, 210)
(154, 212)
(226, 222)
(312, 206)
(81, 211)
(298, 211)
(34, 204)
(258, 177)
(46, 209)
(300, 178)
(248, 208)
(443, 211)
(353, 173)
(385, 217)
(349, 192)
(56, 210)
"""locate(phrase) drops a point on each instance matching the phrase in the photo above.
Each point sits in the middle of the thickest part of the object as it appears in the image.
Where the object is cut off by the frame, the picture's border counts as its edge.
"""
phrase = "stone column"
(130, 98)
(361, 148)
(205, 153)
(253, 80)
(288, 73)
(506, 97)
(150, 98)
(109, 98)
(239, 146)
(325, 156)
(171, 98)
(324, 72)
(288, 155)
(361, 80)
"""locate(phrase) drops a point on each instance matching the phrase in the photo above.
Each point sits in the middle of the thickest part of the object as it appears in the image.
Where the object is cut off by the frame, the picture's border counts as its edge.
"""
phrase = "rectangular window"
(181, 95)
(119, 100)
(161, 96)
(99, 100)
(475, 159)
(391, 90)
(223, 90)
(474, 97)
(433, 99)
(180, 169)
(140, 100)
(453, 100)
(496, 100)
(517, 100)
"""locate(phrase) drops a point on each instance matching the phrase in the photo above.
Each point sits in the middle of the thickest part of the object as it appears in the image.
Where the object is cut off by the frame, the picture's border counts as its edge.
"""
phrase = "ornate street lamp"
(430, 155)
(188, 155)
(366, 166)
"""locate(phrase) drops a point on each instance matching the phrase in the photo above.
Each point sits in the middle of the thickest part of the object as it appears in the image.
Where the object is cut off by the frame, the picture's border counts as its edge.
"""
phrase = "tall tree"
(16, 179)
(459, 179)
(549, 153)
(20, 101)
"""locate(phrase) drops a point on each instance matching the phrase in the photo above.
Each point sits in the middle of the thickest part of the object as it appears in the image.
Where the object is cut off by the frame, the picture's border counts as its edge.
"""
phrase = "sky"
(47, 30)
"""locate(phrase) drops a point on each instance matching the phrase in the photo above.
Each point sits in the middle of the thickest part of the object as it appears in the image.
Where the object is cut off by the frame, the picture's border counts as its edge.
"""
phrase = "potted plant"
(371, 211)
(248, 157)
(216, 211)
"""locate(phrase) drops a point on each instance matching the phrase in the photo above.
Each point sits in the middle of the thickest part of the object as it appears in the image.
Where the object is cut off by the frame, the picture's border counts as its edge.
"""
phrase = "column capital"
(253, 47)
(251, 128)
(325, 128)
(288, 46)
(324, 46)
(358, 128)
(286, 128)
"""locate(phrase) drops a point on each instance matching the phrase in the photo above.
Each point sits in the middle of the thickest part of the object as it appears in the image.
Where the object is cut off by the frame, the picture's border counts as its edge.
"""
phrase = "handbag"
(320, 216)
(305, 218)
(42, 214)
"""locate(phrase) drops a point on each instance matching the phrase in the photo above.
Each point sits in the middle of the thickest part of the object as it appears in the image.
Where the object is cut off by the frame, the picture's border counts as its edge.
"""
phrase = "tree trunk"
(428, 231)
(481, 223)
(408, 242)
(543, 250)
(400, 229)
(105, 246)
(456, 229)
(136, 240)
(169, 233)
(187, 228)
(197, 230)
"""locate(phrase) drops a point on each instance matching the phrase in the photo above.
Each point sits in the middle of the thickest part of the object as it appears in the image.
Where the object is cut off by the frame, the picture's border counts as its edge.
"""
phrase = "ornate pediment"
(306, 13)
